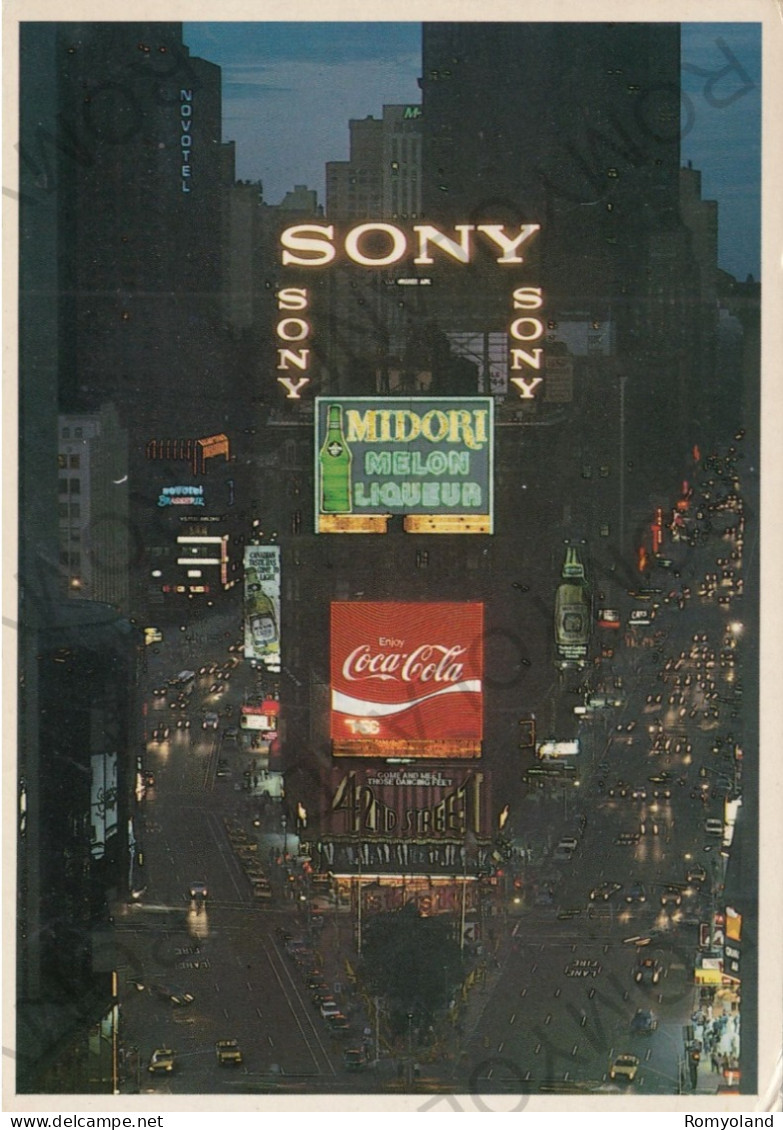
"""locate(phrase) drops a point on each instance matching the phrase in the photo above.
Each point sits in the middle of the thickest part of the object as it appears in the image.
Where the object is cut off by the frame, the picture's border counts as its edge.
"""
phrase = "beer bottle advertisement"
(262, 605)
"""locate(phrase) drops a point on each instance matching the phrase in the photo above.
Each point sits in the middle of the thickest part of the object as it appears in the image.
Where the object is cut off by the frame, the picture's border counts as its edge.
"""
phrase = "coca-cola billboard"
(407, 679)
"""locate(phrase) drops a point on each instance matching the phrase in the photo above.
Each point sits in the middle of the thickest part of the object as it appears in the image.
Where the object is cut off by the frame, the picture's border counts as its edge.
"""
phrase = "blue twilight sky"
(289, 90)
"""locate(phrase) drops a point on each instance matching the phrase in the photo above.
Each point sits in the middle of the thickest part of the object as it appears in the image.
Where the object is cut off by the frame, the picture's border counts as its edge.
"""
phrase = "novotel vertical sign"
(427, 459)
(186, 136)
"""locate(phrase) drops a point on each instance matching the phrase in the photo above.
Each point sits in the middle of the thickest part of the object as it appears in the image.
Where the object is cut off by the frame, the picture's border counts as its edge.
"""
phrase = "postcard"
(391, 415)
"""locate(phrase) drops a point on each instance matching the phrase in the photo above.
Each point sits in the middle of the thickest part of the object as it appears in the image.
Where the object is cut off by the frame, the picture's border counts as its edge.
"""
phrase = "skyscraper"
(575, 127)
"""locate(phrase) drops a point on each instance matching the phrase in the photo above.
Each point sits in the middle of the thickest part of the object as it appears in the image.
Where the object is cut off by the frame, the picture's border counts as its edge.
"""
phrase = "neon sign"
(181, 496)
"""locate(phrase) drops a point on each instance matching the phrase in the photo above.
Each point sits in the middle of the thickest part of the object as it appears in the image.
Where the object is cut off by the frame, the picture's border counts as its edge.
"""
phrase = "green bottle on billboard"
(335, 459)
(262, 635)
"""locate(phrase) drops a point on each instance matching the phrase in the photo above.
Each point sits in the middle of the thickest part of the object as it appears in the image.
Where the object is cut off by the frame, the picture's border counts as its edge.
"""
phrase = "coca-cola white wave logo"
(429, 662)
(348, 704)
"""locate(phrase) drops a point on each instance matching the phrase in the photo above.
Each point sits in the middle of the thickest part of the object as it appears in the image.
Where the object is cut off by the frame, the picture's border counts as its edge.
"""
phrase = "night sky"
(289, 90)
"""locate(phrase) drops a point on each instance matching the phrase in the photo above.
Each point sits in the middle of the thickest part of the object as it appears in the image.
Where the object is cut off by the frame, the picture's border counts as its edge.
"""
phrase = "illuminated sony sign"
(379, 244)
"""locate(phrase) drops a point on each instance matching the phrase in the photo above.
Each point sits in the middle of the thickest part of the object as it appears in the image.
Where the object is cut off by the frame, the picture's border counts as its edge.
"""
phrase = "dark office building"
(576, 128)
(75, 769)
(76, 852)
(139, 172)
(129, 156)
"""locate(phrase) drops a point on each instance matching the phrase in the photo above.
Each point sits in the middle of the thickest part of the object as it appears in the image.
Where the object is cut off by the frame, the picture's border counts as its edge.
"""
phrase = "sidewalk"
(719, 1037)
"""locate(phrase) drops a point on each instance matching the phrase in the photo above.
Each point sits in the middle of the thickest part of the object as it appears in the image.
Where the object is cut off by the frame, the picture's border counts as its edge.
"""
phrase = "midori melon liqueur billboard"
(407, 679)
(427, 459)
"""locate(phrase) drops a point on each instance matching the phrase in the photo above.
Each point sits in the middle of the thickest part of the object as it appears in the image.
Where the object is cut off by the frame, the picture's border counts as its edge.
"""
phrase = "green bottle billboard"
(428, 459)
(335, 466)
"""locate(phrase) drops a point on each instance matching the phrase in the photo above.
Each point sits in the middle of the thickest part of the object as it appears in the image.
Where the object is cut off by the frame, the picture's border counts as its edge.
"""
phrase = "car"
(298, 948)
(644, 1021)
(649, 825)
(696, 874)
(262, 892)
(317, 984)
(321, 997)
(619, 788)
(605, 891)
(354, 1059)
(662, 792)
(639, 793)
(627, 838)
(173, 996)
(648, 970)
(637, 893)
(294, 943)
(624, 1066)
(329, 1008)
(713, 827)
(228, 1053)
(671, 894)
(569, 912)
(562, 855)
(338, 1024)
(569, 843)
(162, 1059)
(198, 890)
(210, 721)
(159, 692)
(183, 723)
(231, 734)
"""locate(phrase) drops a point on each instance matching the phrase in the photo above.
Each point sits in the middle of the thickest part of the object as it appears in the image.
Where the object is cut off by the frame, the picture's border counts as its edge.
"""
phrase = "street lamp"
(680, 1059)
(410, 1049)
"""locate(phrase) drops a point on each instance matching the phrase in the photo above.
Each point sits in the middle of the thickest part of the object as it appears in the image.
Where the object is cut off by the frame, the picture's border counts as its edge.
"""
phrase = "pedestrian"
(715, 1061)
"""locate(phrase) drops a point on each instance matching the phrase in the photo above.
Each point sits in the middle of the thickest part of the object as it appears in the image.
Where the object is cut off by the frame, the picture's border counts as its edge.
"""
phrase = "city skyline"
(274, 74)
